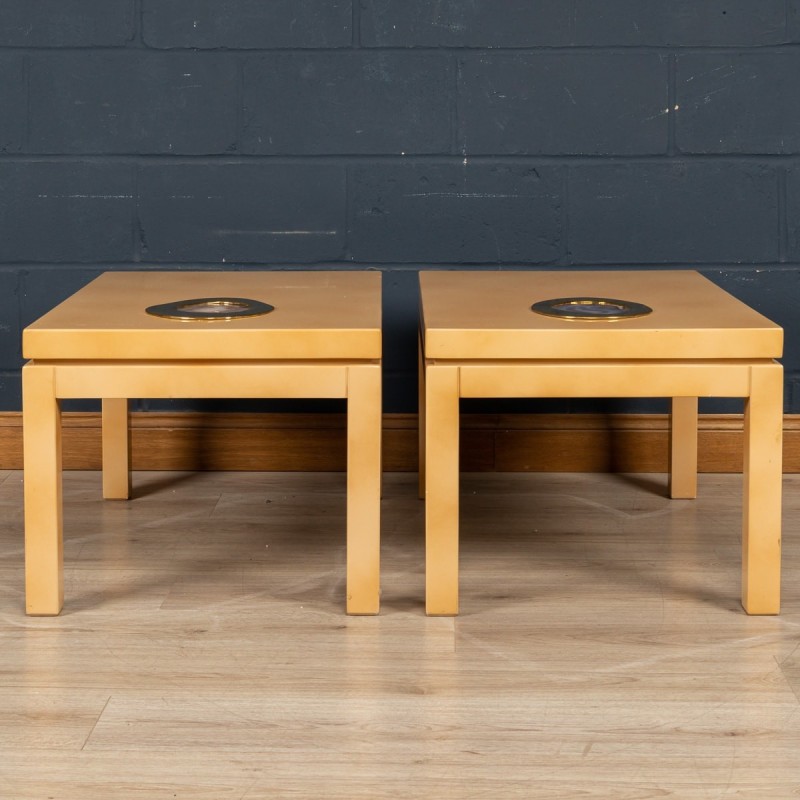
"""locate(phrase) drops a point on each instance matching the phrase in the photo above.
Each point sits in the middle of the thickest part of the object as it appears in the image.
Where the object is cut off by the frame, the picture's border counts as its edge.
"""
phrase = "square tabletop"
(317, 315)
(487, 315)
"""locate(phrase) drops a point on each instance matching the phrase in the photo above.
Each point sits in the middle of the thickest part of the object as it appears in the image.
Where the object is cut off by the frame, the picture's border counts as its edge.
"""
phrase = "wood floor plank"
(48, 718)
(203, 651)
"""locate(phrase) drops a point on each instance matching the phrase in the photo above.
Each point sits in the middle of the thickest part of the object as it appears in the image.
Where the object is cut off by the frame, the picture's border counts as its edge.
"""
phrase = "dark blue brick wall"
(738, 102)
(455, 24)
(9, 321)
(65, 211)
(239, 211)
(680, 23)
(793, 212)
(508, 103)
(398, 135)
(13, 100)
(350, 102)
(66, 23)
(678, 212)
(458, 212)
(568, 23)
(132, 101)
(247, 24)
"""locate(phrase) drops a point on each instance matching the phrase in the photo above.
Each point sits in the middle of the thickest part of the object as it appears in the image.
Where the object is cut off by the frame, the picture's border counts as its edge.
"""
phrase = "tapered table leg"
(116, 450)
(761, 529)
(44, 549)
(683, 448)
(363, 488)
(421, 420)
(441, 489)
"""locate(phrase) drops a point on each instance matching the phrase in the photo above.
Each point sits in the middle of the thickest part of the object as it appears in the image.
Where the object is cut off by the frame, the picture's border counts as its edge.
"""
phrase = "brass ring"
(591, 308)
(210, 309)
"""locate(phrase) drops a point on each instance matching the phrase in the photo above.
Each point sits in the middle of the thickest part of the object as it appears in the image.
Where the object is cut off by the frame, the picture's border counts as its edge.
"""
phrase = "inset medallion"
(211, 309)
(591, 308)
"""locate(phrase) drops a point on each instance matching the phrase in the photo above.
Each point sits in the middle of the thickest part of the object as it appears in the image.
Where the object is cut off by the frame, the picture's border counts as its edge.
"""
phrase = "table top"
(317, 315)
(487, 315)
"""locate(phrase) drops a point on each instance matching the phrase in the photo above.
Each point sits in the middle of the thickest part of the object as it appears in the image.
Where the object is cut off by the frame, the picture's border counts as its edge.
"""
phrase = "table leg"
(441, 489)
(761, 529)
(421, 420)
(116, 450)
(683, 448)
(44, 549)
(363, 488)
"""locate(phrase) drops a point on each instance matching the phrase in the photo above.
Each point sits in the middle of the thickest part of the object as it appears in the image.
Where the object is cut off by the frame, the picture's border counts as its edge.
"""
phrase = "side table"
(481, 338)
(322, 340)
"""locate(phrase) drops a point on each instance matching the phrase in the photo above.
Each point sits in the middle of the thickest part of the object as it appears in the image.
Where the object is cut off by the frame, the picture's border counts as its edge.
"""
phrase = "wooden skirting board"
(316, 442)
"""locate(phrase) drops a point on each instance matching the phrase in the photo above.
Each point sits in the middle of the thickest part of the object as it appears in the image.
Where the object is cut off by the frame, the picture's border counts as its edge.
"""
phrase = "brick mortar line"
(672, 104)
(783, 215)
(677, 49)
(137, 10)
(355, 22)
(390, 266)
(576, 159)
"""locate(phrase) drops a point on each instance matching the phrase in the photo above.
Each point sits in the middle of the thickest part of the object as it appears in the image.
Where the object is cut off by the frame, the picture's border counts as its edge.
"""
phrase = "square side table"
(480, 338)
(322, 340)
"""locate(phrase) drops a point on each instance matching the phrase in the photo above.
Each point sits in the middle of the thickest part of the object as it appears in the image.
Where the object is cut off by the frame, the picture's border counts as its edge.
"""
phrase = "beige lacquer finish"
(485, 314)
(318, 315)
(481, 339)
(323, 340)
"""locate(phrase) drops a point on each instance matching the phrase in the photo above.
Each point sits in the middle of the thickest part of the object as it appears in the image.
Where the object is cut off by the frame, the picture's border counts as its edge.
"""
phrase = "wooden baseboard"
(316, 442)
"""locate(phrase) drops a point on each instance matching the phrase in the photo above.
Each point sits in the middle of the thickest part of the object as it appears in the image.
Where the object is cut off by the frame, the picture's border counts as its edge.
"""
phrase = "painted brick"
(680, 212)
(132, 102)
(13, 103)
(793, 212)
(578, 103)
(793, 20)
(554, 23)
(242, 212)
(43, 288)
(67, 211)
(772, 293)
(738, 103)
(65, 23)
(247, 23)
(10, 391)
(453, 23)
(679, 22)
(10, 355)
(358, 102)
(576, 79)
(456, 212)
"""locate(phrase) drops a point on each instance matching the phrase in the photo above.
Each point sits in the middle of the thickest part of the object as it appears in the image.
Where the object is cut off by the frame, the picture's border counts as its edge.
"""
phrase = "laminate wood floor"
(203, 651)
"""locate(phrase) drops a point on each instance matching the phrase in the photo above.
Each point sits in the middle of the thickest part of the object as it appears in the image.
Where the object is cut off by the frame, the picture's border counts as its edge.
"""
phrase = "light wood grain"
(691, 317)
(694, 340)
(322, 339)
(324, 315)
(203, 651)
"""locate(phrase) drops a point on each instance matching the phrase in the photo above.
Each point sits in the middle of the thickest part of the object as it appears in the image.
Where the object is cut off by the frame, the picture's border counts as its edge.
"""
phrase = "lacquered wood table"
(322, 340)
(481, 338)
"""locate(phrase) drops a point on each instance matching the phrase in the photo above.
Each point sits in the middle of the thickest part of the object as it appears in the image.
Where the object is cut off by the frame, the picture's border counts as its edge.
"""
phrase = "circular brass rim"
(199, 309)
(586, 308)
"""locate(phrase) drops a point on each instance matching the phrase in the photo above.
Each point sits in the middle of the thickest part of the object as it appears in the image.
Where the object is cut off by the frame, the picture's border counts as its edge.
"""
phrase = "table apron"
(599, 379)
(170, 380)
